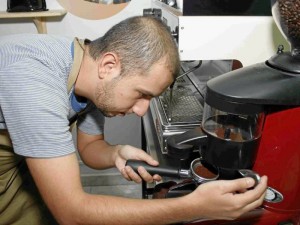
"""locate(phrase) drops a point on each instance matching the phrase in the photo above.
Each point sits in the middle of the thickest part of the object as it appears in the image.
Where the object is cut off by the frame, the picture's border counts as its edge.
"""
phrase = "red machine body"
(278, 157)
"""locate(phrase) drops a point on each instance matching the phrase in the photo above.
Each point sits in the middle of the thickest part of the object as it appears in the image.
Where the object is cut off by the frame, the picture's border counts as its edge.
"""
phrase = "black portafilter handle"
(181, 146)
(162, 171)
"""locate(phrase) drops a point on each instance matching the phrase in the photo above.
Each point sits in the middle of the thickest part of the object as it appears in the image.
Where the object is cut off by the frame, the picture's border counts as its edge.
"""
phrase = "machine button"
(273, 196)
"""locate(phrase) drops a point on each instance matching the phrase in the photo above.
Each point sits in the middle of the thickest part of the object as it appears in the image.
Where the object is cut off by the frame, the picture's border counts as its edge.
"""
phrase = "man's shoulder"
(35, 42)
(50, 51)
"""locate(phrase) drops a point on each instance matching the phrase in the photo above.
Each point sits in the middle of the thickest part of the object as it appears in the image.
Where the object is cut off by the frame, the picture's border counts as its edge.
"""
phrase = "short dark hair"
(140, 42)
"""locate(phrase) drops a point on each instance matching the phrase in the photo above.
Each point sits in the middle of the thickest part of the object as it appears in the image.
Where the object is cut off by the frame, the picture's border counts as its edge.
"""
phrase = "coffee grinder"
(251, 121)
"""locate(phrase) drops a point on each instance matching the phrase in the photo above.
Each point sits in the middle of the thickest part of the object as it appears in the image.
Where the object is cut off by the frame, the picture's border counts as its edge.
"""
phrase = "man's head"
(139, 42)
(137, 59)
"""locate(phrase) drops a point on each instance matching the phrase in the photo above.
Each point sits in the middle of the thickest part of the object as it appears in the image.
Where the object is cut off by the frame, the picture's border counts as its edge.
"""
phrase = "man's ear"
(109, 65)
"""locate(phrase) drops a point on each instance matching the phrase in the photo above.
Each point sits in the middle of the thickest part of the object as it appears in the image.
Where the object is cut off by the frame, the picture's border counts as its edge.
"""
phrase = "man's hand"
(228, 199)
(126, 152)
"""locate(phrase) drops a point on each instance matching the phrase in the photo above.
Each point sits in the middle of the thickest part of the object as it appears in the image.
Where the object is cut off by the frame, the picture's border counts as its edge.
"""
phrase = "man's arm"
(58, 180)
(96, 153)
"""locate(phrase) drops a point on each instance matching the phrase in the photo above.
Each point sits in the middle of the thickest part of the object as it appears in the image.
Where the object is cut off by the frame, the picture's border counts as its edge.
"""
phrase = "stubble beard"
(104, 99)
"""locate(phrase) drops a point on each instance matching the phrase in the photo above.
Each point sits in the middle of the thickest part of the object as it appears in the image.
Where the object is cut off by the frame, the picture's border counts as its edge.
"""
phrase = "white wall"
(71, 25)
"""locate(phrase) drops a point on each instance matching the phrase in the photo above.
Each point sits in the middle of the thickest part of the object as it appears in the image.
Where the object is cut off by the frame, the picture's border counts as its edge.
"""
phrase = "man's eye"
(147, 97)
(142, 95)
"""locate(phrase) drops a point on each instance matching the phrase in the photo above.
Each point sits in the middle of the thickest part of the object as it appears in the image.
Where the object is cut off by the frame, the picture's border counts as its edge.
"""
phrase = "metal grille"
(183, 108)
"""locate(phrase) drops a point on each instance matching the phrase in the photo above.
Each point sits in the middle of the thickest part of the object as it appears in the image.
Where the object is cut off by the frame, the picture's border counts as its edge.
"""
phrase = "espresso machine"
(250, 127)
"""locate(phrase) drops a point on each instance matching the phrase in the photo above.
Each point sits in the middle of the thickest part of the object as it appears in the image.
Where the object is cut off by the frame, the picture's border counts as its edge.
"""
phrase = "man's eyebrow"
(148, 93)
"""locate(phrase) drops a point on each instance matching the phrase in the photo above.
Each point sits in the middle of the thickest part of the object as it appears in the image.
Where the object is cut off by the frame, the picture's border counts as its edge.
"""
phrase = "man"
(116, 74)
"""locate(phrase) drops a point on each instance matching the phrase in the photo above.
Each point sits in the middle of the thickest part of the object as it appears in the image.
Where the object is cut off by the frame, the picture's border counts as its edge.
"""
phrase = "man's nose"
(141, 106)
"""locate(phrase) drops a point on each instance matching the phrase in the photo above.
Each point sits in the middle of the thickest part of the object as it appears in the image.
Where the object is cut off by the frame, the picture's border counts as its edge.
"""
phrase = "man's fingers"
(148, 159)
(131, 175)
(157, 177)
(145, 175)
(124, 174)
(256, 195)
(249, 196)
(148, 177)
(233, 186)
(255, 204)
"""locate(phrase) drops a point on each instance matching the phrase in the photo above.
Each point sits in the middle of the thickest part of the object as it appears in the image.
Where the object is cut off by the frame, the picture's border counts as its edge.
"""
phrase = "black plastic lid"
(248, 90)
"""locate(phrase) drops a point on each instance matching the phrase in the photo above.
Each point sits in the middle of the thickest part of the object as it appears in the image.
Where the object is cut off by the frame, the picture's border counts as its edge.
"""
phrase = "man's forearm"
(99, 155)
(132, 211)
